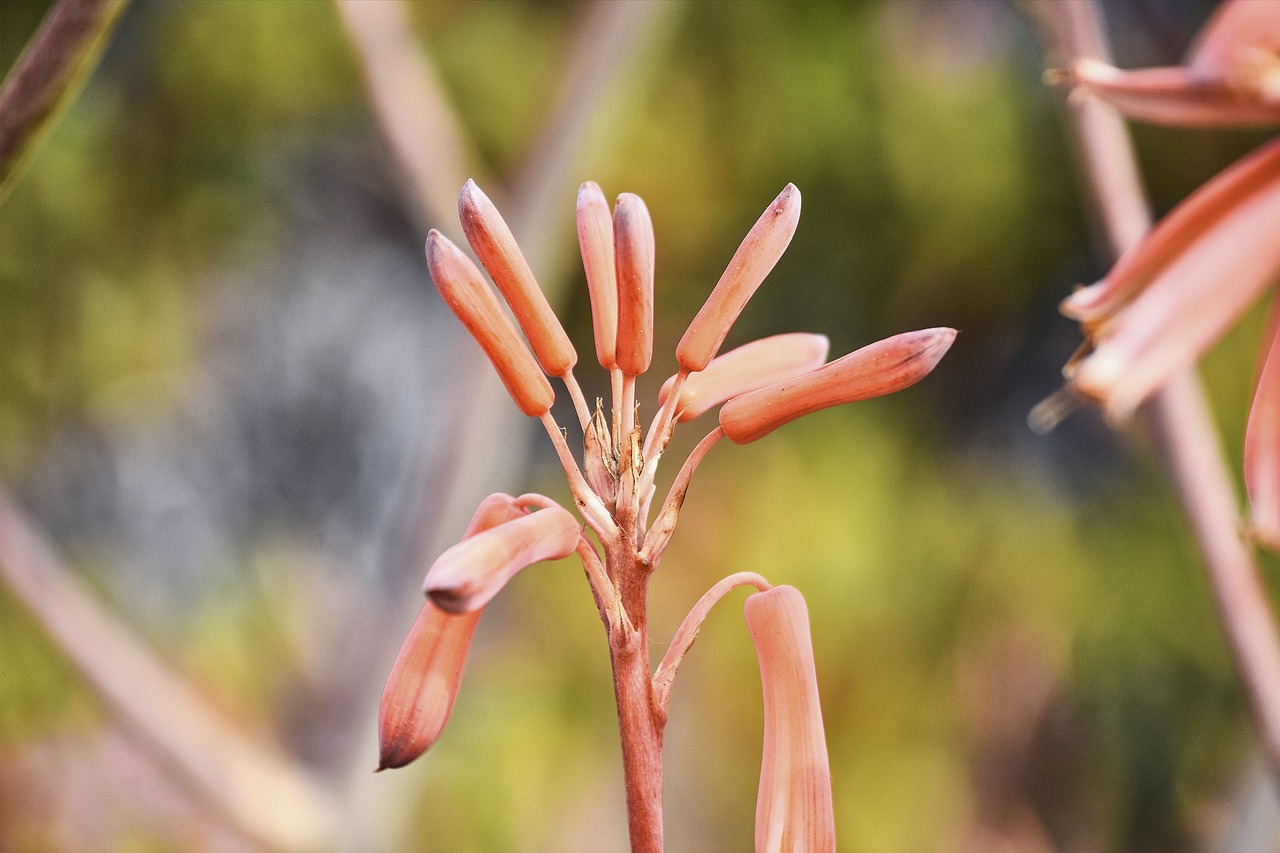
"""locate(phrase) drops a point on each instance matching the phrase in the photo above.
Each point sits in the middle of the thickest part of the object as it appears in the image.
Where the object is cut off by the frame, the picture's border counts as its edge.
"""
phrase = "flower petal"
(750, 366)
(875, 370)
(755, 258)
(424, 680)
(794, 809)
(1262, 442)
(595, 239)
(467, 576)
(469, 297)
(498, 253)
(633, 260)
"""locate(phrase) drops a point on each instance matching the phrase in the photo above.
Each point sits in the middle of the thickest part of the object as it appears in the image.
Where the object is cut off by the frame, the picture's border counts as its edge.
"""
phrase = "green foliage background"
(952, 561)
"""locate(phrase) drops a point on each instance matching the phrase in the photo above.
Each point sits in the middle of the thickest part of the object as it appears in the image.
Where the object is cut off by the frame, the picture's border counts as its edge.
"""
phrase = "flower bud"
(467, 576)
(1175, 97)
(496, 248)
(468, 295)
(1199, 212)
(595, 239)
(424, 679)
(794, 809)
(747, 368)
(1262, 443)
(755, 258)
(633, 261)
(875, 370)
(1192, 301)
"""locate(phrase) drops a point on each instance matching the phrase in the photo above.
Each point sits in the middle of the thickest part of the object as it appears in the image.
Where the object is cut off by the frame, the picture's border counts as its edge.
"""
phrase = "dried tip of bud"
(750, 366)
(424, 680)
(794, 808)
(467, 576)
(875, 370)
(595, 239)
(469, 297)
(634, 265)
(754, 259)
(496, 248)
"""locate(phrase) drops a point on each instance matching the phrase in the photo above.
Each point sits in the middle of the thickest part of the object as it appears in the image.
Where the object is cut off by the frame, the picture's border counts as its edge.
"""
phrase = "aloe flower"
(1231, 76)
(759, 387)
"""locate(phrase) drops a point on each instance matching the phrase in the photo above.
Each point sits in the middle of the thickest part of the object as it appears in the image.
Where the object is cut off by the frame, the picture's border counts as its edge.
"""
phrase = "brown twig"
(1178, 416)
(253, 787)
(47, 76)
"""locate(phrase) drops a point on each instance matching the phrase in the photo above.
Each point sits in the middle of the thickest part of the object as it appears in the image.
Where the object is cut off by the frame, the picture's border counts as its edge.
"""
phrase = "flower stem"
(1178, 417)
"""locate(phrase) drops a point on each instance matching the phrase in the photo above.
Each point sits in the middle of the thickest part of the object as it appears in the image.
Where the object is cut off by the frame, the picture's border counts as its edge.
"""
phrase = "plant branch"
(254, 788)
(1178, 416)
(655, 543)
(683, 639)
(47, 76)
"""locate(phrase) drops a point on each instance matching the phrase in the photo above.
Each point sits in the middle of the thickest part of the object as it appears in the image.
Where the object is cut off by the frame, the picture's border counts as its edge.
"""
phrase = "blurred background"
(240, 418)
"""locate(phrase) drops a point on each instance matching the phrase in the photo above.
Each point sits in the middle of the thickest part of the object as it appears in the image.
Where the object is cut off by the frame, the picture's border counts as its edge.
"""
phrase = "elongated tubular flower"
(750, 366)
(467, 576)
(1198, 293)
(595, 239)
(1202, 210)
(634, 259)
(1231, 77)
(1262, 442)
(794, 810)
(875, 370)
(494, 245)
(468, 295)
(754, 259)
(424, 680)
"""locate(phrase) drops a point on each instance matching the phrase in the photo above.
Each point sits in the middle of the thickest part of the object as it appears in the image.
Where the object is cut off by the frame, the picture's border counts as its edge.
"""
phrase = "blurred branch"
(420, 126)
(255, 790)
(1178, 416)
(47, 76)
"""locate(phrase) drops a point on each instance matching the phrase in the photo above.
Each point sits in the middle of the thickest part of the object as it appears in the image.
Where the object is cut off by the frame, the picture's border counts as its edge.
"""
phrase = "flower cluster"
(758, 387)
(1174, 294)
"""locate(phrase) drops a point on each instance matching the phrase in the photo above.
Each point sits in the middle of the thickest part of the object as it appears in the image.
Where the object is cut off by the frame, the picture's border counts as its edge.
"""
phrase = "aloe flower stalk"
(794, 810)
(1231, 76)
(761, 385)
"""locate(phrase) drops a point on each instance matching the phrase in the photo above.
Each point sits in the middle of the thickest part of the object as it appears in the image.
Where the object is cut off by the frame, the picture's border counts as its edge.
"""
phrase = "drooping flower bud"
(595, 239)
(468, 295)
(750, 366)
(424, 680)
(634, 261)
(496, 248)
(1262, 443)
(794, 809)
(467, 576)
(1231, 77)
(755, 258)
(1199, 212)
(875, 370)
(1191, 302)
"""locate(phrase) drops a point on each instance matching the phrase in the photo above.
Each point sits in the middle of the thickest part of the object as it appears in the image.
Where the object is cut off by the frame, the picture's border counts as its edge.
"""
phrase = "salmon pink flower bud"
(468, 295)
(1185, 223)
(1231, 76)
(467, 576)
(1196, 295)
(595, 238)
(747, 368)
(755, 258)
(424, 679)
(633, 259)
(875, 370)
(496, 248)
(794, 809)
(1262, 443)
